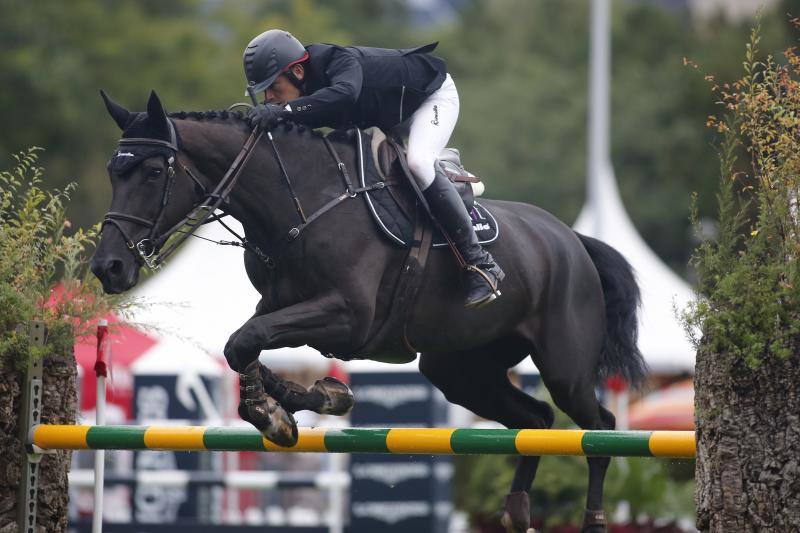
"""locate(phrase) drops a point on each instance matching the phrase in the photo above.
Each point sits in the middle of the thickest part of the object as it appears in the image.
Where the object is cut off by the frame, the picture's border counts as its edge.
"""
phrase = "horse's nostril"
(114, 267)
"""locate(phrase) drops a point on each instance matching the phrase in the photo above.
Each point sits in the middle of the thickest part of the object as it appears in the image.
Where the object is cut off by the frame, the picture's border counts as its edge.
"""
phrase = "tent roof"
(172, 355)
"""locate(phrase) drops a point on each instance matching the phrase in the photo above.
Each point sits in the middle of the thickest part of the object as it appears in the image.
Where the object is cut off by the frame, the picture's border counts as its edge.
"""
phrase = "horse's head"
(148, 197)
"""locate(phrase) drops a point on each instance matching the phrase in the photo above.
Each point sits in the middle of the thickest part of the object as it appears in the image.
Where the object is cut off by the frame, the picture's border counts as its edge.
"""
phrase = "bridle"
(203, 211)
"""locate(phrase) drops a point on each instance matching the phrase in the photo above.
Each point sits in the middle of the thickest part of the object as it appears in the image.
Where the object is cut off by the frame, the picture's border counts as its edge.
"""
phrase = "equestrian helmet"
(269, 55)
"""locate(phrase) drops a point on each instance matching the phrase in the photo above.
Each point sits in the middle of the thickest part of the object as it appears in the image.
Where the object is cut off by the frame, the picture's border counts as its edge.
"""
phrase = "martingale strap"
(349, 192)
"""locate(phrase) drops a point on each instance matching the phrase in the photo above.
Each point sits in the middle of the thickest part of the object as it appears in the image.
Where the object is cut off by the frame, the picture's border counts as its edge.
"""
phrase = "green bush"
(43, 267)
(748, 305)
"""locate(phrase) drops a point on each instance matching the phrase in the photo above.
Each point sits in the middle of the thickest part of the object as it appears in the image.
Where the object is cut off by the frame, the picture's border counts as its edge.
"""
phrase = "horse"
(569, 301)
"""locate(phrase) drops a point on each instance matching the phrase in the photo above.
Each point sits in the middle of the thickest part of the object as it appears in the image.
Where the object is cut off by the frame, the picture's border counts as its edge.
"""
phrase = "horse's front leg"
(267, 401)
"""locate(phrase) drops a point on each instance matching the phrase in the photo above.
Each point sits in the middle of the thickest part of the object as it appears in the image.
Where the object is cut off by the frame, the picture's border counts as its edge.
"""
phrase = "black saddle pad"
(391, 217)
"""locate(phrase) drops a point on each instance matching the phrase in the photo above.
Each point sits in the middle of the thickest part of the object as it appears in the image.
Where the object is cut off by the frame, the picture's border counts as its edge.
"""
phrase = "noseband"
(200, 213)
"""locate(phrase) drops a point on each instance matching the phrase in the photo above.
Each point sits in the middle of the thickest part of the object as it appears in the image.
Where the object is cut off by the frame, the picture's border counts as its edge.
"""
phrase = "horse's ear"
(117, 112)
(155, 111)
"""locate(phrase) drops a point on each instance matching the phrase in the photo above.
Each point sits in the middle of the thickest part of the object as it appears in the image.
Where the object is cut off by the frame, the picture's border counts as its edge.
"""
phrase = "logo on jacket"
(435, 120)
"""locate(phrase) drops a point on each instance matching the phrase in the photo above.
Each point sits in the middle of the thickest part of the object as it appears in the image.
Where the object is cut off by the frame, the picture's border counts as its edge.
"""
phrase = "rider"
(328, 85)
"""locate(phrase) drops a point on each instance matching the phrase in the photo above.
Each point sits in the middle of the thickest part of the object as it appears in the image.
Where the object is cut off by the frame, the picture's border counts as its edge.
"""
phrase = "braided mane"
(237, 116)
(220, 114)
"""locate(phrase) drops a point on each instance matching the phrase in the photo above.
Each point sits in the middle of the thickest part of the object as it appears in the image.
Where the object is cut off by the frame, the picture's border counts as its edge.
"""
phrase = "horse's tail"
(621, 355)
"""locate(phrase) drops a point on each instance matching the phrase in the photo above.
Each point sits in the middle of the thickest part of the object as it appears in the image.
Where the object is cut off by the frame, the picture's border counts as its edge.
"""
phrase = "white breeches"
(430, 128)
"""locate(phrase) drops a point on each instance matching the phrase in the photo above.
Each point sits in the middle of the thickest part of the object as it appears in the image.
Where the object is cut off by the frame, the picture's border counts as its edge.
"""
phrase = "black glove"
(266, 115)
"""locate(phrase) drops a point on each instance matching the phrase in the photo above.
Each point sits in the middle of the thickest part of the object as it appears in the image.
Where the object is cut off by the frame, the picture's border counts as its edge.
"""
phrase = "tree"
(55, 56)
(747, 380)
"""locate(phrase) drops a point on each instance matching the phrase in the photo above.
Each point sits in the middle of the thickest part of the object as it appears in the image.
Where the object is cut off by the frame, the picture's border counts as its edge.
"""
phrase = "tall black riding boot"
(482, 273)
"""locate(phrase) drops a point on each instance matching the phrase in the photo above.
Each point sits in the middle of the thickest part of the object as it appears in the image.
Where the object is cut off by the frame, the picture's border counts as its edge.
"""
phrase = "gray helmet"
(269, 55)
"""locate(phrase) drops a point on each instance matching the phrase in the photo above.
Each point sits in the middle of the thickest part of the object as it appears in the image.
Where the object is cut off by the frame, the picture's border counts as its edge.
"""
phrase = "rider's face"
(282, 90)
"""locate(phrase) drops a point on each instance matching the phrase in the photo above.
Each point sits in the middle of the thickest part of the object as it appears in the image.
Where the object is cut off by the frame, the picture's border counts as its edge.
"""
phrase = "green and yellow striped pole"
(421, 441)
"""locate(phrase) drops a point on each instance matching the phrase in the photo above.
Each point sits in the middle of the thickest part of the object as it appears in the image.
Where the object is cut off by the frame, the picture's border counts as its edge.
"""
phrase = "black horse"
(569, 301)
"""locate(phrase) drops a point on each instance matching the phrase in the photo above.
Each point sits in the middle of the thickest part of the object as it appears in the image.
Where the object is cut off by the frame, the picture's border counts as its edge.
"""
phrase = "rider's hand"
(266, 115)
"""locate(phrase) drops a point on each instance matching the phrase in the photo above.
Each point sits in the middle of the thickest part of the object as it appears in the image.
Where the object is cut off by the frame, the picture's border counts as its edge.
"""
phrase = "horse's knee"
(241, 348)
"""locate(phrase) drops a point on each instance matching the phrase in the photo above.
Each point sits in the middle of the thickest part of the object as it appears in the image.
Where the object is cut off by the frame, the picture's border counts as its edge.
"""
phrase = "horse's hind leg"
(479, 382)
(572, 388)
(580, 403)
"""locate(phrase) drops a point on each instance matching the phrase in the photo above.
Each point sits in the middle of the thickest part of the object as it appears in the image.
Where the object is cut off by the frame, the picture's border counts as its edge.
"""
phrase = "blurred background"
(521, 68)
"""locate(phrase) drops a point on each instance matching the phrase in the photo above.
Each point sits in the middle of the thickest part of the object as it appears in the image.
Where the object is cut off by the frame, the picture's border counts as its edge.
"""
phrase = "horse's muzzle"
(116, 274)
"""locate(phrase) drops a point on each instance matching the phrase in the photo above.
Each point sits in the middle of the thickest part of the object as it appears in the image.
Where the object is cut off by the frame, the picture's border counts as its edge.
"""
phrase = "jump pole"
(101, 372)
(406, 441)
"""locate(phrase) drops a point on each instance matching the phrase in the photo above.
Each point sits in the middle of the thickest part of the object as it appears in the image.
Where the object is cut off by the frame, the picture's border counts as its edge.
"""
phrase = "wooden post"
(30, 415)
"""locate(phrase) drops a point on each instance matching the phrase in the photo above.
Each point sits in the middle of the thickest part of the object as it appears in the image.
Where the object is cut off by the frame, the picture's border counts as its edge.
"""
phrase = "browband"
(172, 144)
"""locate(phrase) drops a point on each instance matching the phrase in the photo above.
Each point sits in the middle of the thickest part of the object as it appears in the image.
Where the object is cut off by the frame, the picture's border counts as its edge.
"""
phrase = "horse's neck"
(262, 200)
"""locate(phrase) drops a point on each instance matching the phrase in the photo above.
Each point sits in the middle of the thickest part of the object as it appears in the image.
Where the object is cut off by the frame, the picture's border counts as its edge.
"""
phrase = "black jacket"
(366, 86)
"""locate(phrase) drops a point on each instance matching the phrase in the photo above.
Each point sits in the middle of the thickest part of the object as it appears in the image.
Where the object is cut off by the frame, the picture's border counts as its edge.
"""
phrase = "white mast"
(661, 338)
(599, 159)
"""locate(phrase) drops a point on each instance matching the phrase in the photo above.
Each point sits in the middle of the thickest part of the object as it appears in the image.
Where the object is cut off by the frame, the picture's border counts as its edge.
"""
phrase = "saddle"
(393, 206)
(401, 213)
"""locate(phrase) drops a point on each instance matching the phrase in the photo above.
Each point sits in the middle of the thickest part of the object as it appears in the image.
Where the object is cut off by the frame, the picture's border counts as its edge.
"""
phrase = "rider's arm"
(327, 105)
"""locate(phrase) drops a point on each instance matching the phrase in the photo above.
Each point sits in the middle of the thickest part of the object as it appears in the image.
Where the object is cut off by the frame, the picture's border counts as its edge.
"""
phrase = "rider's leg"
(482, 273)
(430, 128)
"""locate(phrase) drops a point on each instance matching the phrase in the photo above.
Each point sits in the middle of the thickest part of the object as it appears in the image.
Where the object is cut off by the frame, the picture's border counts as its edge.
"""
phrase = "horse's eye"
(153, 172)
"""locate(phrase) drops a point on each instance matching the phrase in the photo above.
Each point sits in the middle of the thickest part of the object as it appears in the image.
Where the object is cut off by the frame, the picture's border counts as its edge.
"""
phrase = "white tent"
(202, 296)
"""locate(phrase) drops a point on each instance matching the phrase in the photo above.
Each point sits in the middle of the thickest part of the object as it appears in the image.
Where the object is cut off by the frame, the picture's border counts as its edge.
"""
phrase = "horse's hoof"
(273, 421)
(510, 528)
(517, 513)
(594, 522)
(282, 429)
(337, 397)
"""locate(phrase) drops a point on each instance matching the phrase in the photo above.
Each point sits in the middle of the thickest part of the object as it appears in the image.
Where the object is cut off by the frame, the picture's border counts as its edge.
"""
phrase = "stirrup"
(491, 280)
